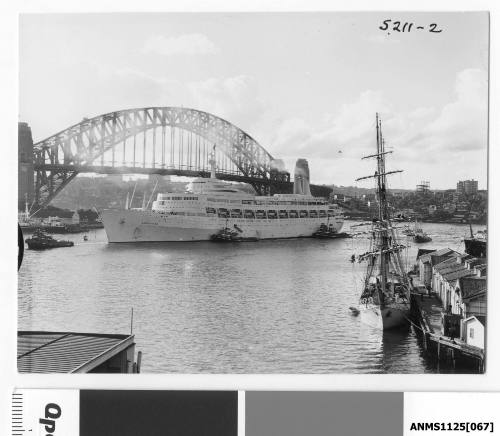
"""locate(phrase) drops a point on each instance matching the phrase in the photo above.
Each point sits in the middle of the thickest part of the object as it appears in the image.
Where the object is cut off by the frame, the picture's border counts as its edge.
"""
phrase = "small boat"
(324, 231)
(407, 231)
(229, 235)
(384, 302)
(41, 241)
(225, 235)
(419, 236)
(328, 232)
(354, 311)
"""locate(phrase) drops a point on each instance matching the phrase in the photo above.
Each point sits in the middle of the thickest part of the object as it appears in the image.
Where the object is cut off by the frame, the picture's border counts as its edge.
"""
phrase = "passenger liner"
(210, 205)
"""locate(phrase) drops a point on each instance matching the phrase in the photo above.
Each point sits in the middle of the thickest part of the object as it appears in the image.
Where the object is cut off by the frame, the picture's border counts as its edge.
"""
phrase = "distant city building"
(449, 207)
(424, 186)
(467, 187)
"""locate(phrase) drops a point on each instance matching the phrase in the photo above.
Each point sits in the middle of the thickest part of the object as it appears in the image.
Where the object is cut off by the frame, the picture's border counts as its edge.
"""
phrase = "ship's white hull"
(148, 226)
(389, 317)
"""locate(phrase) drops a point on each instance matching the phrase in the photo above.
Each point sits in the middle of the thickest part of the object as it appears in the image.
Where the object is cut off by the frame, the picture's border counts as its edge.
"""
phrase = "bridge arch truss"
(155, 140)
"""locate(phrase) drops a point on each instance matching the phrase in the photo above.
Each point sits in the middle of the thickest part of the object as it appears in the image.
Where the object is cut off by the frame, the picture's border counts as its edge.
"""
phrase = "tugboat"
(420, 236)
(324, 231)
(385, 299)
(476, 244)
(231, 235)
(225, 235)
(329, 232)
(41, 241)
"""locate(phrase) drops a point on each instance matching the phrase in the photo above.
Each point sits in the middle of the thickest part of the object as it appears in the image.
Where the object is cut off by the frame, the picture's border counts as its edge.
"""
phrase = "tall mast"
(379, 169)
(384, 248)
(381, 202)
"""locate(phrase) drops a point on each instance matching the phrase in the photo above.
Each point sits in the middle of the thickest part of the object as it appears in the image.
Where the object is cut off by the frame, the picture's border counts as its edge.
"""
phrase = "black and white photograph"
(253, 192)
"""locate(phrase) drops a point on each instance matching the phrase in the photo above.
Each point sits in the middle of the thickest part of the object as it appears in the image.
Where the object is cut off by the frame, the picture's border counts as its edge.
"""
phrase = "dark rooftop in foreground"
(65, 352)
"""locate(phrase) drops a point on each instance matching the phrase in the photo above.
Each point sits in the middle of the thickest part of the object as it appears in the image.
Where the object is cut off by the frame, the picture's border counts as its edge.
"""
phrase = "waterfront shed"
(426, 261)
(65, 352)
(469, 297)
(474, 331)
(445, 273)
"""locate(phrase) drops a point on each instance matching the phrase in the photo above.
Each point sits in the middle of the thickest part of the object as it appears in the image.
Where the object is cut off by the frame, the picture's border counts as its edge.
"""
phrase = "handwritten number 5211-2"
(398, 26)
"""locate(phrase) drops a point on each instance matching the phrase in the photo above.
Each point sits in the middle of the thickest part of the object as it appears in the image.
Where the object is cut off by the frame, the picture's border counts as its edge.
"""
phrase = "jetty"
(427, 315)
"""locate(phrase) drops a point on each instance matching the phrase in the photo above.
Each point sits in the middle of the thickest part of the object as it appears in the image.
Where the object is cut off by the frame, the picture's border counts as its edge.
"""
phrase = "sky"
(304, 85)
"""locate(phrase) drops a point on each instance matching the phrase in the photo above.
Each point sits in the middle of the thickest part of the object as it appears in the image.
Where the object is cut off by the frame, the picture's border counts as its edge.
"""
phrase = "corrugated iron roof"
(453, 275)
(480, 318)
(472, 287)
(423, 251)
(428, 257)
(63, 352)
(447, 264)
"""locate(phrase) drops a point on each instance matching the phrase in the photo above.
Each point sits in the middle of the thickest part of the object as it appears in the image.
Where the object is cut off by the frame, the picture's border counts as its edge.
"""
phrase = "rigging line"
(413, 324)
(377, 155)
(152, 193)
(133, 192)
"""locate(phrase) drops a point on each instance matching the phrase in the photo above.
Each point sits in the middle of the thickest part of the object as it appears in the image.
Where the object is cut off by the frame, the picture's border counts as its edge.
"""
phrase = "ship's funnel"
(301, 178)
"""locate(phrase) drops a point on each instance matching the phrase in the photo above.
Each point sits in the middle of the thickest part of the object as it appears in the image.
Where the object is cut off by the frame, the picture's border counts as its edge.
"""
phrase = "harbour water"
(275, 306)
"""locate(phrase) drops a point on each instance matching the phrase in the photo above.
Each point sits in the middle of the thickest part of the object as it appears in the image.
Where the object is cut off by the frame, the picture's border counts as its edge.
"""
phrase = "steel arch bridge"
(154, 140)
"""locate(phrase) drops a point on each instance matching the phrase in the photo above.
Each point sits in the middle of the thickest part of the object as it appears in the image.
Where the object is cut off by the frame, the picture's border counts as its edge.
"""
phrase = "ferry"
(210, 205)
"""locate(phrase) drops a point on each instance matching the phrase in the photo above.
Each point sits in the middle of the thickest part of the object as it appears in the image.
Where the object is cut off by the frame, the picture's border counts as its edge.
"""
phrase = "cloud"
(439, 143)
(422, 138)
(349, 130)
(462, 124)
(188, 44)
(235, 99)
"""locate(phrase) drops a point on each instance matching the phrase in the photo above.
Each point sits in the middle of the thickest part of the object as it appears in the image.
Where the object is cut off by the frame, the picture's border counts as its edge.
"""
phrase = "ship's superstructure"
(385, 299)
(477, 244)
(209, 205)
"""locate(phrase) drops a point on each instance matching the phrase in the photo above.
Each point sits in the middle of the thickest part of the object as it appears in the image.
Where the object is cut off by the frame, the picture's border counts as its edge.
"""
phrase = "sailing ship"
(385, 299)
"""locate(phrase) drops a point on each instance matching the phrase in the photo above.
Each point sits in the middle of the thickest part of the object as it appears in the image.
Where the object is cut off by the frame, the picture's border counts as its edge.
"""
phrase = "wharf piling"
(426, 315)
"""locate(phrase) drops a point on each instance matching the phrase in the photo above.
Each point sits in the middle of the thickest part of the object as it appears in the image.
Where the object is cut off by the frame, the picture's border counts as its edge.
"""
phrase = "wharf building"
(459, 282)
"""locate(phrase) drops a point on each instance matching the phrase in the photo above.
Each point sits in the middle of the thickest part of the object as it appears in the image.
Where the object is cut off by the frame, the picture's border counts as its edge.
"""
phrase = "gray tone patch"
(324, 414)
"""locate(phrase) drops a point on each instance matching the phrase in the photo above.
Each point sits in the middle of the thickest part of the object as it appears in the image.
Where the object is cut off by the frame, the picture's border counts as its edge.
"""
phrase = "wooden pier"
(426, 314)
